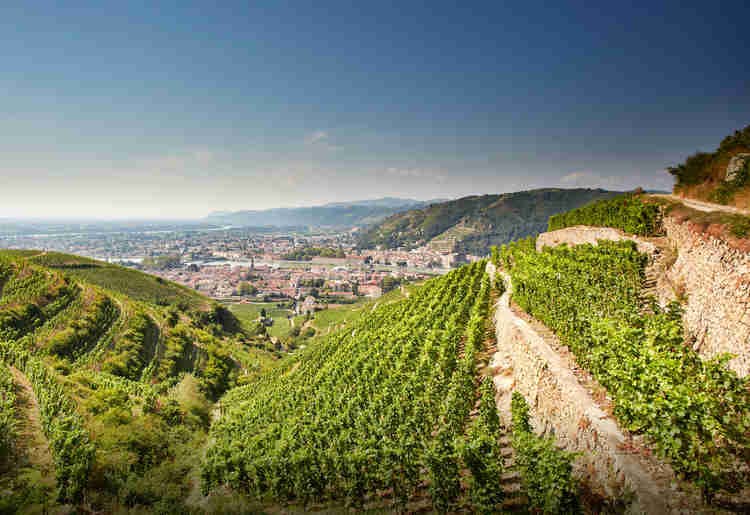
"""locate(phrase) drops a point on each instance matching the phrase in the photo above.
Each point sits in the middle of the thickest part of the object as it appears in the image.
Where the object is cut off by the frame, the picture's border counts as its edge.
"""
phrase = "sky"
(138, 110)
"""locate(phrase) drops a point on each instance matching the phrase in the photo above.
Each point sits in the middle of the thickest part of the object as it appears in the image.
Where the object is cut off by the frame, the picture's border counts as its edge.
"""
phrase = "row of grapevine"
(31, 297)
(627, 212)
(134, 348)
(697, 412)
(374, 406)
(7, 412)
(136, 390)
(546, 471)
(72, 451)
(83, 333)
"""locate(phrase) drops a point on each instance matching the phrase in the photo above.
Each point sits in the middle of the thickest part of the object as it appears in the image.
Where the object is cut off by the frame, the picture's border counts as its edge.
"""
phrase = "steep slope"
(392, 413)
(721, 176)
(474, 224)
(647, 324)
(122, 369)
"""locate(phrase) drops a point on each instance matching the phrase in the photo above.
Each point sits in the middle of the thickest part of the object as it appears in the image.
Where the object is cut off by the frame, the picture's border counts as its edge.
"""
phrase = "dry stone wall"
(708, 276)
(609, 463)
(580, 234)
(714, 280)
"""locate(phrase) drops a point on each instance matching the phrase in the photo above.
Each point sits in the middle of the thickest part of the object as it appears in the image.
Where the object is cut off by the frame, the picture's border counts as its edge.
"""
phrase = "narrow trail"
(514, 499)
(33, 447)
(702, 205)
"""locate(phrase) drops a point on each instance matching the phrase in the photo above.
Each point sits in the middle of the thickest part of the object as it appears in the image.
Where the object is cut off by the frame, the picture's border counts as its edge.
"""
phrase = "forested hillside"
(112, 373)
(474, 224)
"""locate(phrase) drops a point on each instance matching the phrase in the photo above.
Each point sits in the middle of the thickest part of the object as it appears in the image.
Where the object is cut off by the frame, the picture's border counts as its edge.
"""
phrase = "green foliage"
(132, 283)
(177, 352)
(84, 332)
(7, 413)
(442, 467)
(245, 289)
(627, 212)
(482, 456)
(365, 408)
(693, 171)
(740, 138)
(19, 320)
(134, 349)
(90, 355)
(726, 190)
(546, 471)
(307, 253)
(72, 451)
(697, 412)
(389, 282)
(698, 167)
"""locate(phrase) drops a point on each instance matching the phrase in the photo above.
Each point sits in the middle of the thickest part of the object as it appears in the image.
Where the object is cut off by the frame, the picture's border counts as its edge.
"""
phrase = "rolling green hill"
(474, 224)
(117, 371)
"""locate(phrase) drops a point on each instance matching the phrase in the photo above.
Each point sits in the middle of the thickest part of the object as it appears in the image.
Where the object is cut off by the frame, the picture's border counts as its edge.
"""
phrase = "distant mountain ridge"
(473, 224)
(335, 214)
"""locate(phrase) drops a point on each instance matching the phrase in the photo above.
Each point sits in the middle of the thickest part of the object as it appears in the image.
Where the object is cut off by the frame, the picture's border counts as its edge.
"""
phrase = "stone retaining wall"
(714, 281)
(580, 234)
(710, 278)
(561, 405)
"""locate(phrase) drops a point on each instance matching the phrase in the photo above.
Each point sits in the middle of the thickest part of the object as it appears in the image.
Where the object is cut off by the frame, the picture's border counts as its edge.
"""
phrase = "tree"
(389, 282)
(245, 288)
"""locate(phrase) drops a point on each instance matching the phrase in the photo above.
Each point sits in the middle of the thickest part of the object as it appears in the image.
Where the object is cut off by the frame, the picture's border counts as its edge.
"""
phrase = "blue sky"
(173, 110)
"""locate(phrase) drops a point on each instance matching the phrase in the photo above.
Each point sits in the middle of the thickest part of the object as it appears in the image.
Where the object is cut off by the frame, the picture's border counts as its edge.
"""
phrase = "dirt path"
(33, 447)
(701, 205)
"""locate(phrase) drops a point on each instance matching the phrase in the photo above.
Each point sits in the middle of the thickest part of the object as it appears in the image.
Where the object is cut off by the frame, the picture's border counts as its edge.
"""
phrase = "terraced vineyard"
(161, 402)
(696, 412)
(122, 385)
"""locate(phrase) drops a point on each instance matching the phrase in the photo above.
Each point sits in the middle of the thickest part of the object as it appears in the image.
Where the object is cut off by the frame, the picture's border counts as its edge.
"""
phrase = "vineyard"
(628, 212)
(150, 401)
(696, 412)
(122, 386)
(391, 406)
(378, 406)
(7, 412)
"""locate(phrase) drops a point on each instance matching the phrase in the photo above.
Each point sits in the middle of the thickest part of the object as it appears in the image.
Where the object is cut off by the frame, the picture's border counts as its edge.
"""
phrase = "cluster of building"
(278, 281)
(217, 262)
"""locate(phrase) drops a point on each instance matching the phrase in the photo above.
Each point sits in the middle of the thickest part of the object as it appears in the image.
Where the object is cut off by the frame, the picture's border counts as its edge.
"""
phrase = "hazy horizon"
(146, 112)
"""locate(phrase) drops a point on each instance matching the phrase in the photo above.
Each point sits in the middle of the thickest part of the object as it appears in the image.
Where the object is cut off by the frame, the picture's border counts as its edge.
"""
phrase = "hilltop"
(722, 176)
(473, 224)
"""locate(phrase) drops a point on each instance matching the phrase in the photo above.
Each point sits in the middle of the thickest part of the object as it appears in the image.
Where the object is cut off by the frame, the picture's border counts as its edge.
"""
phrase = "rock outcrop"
(736, 165)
